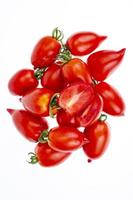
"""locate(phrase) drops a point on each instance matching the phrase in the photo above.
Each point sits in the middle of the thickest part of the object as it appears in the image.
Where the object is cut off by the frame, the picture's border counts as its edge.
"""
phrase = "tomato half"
(45, 52)
(37, 101)
(113, 103)
(91, 112)
(76, 97)
(48, 157)
(65, 139)
(83, 43)
(22, 82)
(76, 69)
(98, 135)
(29, 125)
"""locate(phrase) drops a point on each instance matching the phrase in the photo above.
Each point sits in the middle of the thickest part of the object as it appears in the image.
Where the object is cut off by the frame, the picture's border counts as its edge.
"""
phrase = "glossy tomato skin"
(53, 78)
(65, 119)
(91, 113)
(45, 52)
(48, 157)
(76, 97)
(83, 43)
(102, 63)
(22, 82)
(113, 103)
(28, 124)
(37, 101)
(76, 69)
(98, 135)
(65, 139)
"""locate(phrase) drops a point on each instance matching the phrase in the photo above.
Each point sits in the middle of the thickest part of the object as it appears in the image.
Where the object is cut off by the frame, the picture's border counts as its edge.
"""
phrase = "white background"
(22, 23)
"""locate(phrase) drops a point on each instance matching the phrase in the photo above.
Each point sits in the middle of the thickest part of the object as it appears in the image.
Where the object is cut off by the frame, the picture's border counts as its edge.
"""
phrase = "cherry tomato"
(65, 139)
(29, 125)
(102, 63)
(83, 43)
(113, 103)
(76, 69)
(48, 157)
(22, 82)
(76, 97)
(45, 52)
(91, 113)
(37, 101)
(52, 78)
(65, 119)
(98, 135)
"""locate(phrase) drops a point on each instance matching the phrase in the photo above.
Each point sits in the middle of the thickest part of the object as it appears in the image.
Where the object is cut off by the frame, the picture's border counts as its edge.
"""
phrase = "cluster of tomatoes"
(63, 86)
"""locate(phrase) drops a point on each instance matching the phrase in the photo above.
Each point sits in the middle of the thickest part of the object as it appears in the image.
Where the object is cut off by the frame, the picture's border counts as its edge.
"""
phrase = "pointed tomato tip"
(122, 51)
(10, 111)
(103, 37)
(122, 114)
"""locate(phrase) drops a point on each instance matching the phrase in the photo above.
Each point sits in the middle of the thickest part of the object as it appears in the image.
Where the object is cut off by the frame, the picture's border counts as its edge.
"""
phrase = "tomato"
(48, 157)
(76, 97)
(52, 78)
(83, 43)
(37, 101)
(113, 103)
(27, 124)
(102, 63)
(22, 82)
(76, 69)
(91, 113)
(65, 119)
(45, 52)
(65, 139)
(98, 135)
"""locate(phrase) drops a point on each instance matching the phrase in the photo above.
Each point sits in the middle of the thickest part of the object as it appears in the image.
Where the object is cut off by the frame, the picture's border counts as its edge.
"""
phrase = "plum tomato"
(76, 97)
(22, 82)
(29, 125)
(91, 113)
(83, 43)
(65, 139)
(113, 103)
(98, 135)
(37, 101)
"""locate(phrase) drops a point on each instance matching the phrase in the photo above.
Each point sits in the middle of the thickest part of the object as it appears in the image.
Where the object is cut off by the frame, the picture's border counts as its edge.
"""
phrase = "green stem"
(53, 104)
(57, 34)
(39, 72)
(43, 137)
(103, 117)
(33, 158)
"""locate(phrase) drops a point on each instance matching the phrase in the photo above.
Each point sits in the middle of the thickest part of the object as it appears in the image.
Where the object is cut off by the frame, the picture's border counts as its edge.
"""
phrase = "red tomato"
(48, 157)
(102, 63)
(76, 69)
(22, 82)
(98, 135)
(83, 43)
(37, 101)
(91, 113)
(76, 97)
(45, 52)
(52, 78)
(29, 125)
(65, 139)
(65, 119)
(113, 103)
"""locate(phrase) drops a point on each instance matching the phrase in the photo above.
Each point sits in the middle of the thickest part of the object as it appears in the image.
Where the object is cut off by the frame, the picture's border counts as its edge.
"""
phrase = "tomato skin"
(65, 119)
(76, 69)
(91, 113)
(102, 63)
(45, 52)
(52, 78)
(98, 135)
(65, 139)
(76, 97)
(37, 101)
(27, 124)
(22, 82)
(113, 103)
(83, 43)
(48, 157)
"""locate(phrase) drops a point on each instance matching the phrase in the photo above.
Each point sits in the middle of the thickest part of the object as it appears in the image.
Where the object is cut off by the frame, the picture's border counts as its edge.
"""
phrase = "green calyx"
(53, 104)
(39, 72)
(43, 137)
(33, 158)
(103, 118)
